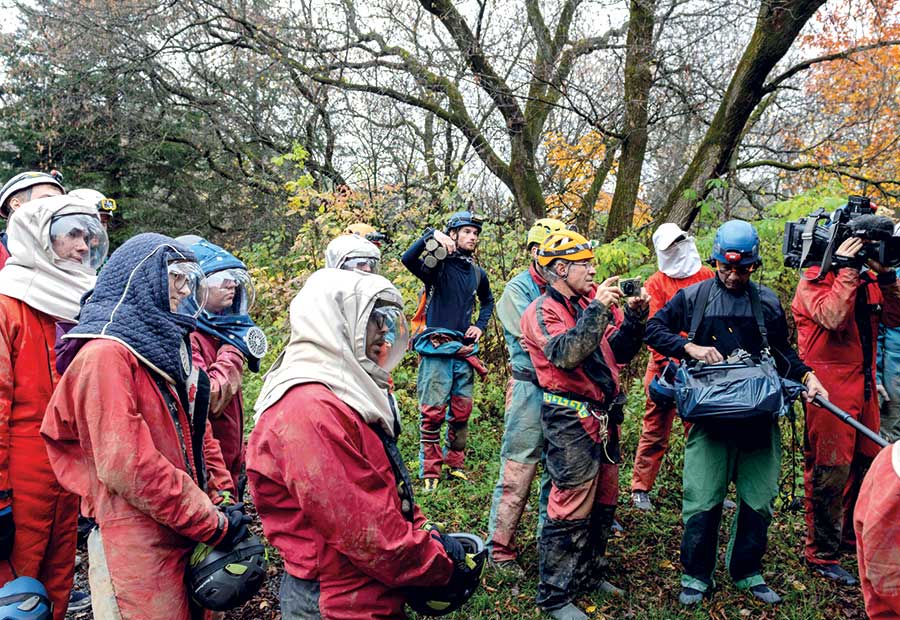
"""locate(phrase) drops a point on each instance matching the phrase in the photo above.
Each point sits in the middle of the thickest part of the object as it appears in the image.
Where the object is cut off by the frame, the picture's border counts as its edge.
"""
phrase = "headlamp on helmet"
(464, 218)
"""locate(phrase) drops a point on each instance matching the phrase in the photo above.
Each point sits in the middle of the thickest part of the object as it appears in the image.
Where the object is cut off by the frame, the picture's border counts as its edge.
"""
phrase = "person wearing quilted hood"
(126, 429)
(333, 494)
(56, 244)
(225, 340)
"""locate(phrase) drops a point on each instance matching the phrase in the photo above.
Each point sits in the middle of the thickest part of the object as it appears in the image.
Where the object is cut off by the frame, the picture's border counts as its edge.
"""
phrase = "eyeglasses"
(741, 270)
(582, 263)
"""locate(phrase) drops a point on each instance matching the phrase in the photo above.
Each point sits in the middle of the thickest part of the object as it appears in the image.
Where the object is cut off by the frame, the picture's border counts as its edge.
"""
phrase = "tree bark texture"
(638, 79)
(778, 24)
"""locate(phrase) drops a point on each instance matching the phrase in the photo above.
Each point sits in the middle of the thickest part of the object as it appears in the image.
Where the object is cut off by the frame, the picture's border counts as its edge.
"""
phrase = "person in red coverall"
(225, 340)
(679, 267)
(57, 245)
(837, 321)
(578, 337)
(332, 491)
(878, 535)
(126, 430)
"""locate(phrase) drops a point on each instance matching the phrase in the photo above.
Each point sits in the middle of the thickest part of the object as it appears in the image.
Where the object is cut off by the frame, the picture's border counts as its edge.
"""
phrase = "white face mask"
(679, 260)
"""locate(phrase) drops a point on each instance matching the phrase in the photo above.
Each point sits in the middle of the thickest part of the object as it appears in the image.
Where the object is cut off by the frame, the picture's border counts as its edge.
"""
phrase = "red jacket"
(328, 501)
(4, 255)
(27, 378)
(662, 288)
(225, 366)
(548, 317)
(878, 535)
(112, 440)
(828, 337)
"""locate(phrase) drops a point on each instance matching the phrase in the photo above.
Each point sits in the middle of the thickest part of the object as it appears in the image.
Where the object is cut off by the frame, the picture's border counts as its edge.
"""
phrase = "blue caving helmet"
(25, 599)
(662, 387)
(464, 218)
(736, 243)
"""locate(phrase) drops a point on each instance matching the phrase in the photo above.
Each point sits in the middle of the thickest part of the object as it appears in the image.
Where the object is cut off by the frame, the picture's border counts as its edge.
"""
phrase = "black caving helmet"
(443, 600)
(223, 580)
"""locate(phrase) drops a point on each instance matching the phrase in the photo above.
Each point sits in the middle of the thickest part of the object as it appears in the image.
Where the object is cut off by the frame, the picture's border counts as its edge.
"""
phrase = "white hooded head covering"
(328, 344)
(34, 273)
(676, 260)
(349, 246)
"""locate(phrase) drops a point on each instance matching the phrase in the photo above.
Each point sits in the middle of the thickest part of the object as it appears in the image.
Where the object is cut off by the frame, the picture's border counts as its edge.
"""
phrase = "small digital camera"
(631, 287)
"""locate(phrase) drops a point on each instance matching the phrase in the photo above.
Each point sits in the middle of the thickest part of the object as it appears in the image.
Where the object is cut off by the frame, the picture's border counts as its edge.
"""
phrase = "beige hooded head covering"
(349, 246)
(327, 346)
(34, 273)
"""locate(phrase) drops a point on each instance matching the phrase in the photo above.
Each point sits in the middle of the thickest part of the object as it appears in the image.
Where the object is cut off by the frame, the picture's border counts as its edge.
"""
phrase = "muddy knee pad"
(699, 544)
(457, 434)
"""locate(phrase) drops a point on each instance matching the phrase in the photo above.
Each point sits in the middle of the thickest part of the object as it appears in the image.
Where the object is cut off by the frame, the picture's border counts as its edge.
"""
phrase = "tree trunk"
(777, 26)
(525, 185)
(638, 79)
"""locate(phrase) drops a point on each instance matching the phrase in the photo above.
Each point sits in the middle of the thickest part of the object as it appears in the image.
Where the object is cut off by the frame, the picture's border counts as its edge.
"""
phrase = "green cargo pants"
(712, 460)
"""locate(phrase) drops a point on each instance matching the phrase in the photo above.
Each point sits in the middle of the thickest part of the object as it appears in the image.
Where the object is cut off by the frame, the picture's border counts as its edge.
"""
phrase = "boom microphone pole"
(848, 419)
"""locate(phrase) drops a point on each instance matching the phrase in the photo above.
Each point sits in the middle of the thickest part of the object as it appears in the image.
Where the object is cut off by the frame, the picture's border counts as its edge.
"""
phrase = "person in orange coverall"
(837, 321)
(126, 430)
(333, 494)
(878, 535)
(57, 243)
(679, 267)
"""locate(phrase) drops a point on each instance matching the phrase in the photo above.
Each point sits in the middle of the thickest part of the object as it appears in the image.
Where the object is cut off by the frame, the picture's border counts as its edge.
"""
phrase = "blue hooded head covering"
(130, 304)
(238, 330)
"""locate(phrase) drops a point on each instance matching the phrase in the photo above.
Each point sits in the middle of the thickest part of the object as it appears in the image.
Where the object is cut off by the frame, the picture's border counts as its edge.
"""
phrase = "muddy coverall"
(837, 329)
(577, 346)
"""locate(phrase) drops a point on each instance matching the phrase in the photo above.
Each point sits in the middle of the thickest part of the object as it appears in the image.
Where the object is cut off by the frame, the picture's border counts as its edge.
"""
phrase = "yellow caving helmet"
(541, 228)
(566, 245)
(360, 229)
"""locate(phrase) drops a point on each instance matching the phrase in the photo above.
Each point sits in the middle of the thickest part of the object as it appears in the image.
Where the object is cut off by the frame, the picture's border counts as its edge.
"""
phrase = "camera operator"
(746, 451)
(837, 319)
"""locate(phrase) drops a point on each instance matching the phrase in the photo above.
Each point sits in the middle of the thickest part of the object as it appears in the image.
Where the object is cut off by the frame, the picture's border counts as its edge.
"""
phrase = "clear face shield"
(187, 288)
(387, 336)
(79, 238)
(361, 263)
(230, 292)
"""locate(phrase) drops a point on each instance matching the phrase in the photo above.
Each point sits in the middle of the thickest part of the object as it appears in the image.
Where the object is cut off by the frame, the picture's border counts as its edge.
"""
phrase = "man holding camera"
(577, 337)
(837, 317)
(736, 316)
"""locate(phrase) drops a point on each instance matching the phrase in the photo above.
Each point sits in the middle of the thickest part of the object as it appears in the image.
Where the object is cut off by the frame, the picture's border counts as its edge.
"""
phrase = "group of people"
(120, 399)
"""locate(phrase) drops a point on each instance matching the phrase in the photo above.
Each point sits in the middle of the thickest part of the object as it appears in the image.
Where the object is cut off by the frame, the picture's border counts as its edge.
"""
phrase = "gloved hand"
(452, 546)
(237, 527)
(7, 533)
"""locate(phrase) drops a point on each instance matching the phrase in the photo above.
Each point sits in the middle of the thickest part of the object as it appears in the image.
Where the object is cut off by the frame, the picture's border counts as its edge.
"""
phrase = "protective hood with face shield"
(676, 252)
(347, 332)
(135, 301)
(57, 244)
(229, 300)
(353, 252)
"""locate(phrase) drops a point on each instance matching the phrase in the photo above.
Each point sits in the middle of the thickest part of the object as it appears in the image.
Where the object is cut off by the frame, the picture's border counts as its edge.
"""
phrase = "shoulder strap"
(756, 307)
(700, 306)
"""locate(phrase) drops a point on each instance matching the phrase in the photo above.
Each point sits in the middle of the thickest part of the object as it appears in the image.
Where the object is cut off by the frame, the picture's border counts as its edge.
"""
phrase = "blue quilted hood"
(130, 304)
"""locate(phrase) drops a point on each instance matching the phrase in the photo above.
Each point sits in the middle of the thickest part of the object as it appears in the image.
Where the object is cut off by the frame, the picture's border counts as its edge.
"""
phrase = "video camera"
(814, 240)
